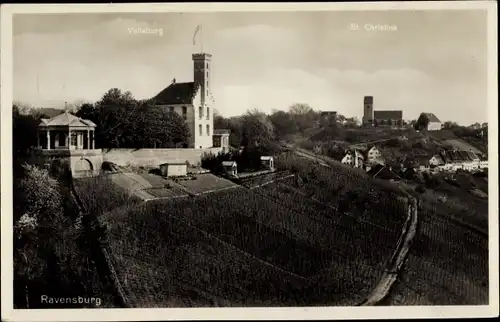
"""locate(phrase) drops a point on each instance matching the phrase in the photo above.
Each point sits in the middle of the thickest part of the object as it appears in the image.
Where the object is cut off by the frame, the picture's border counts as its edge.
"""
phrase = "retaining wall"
(155, 157)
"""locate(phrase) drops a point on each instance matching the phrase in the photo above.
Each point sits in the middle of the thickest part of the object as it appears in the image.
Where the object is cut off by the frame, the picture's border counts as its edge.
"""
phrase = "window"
(73, 138)
(200, 128)
(200, 112)
(171, 108)
(208, 113)
(184, 113)
(208, 130)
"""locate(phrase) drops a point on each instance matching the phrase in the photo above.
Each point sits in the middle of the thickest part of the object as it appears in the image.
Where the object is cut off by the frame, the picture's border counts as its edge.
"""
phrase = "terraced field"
(267, 246)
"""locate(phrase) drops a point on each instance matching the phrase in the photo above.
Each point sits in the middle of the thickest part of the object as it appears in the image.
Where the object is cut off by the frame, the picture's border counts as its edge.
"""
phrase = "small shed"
(173, 169)
(230, 167)
(267, 161)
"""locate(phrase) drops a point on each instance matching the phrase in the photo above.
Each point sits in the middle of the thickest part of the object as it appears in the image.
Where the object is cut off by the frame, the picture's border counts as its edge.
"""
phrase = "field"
(273, 245)
(448, 260)
(205, 182)
(462, 145)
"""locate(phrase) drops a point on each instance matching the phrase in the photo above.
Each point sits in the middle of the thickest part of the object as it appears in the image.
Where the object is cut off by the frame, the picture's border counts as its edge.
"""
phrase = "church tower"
(368, 111)
(202, 75)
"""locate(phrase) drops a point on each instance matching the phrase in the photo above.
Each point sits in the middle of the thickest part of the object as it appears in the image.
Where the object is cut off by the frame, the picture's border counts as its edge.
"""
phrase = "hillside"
(303, 240)
(448, 260)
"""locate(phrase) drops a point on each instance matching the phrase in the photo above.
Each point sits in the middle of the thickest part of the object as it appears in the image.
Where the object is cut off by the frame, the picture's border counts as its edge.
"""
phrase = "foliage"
(122, 121)
(257, 130)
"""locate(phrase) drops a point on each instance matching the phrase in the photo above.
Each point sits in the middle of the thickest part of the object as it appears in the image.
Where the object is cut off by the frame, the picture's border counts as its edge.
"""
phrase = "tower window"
(208, 130)
(208, 113)
(200, 128)
(200, 112)
(184, 113)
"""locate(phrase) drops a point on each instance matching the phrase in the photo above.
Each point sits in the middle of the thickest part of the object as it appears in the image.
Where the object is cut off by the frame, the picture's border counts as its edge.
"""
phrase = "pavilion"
(66, 132)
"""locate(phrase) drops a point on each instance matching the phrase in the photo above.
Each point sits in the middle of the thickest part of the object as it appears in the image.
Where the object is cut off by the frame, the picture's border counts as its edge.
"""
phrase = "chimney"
(173, 81)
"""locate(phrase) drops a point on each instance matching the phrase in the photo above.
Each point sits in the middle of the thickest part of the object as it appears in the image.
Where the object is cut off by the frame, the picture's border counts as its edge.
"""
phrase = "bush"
(420, 189)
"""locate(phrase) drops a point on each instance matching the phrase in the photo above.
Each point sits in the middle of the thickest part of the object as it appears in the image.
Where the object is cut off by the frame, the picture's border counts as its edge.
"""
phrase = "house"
(267, 162)
(354, 158)
(193, 101)
(434, 122)
(483, 161)
(380, 171)
(220, 139)
(173, 169)
(408, 174)
(230, 167)
(374, 156)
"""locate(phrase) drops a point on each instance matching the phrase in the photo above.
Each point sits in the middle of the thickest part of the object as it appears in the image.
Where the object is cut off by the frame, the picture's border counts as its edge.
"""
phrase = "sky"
(415, 61)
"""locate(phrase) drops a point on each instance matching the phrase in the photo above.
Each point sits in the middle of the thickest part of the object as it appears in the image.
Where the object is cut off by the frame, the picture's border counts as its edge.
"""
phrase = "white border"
(8, 314)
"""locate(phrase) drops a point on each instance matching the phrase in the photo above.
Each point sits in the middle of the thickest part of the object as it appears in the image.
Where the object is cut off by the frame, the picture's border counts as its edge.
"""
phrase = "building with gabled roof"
(380, 118)
(70, 141)
(434, 123)
(193, 101)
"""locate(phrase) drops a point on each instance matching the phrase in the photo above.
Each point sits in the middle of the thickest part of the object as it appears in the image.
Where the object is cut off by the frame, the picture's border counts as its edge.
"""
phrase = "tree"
(257, 130)
(283, 124)
(38, 227)
(123, 121)
(303, 115)
(448, 125)
(24, 130)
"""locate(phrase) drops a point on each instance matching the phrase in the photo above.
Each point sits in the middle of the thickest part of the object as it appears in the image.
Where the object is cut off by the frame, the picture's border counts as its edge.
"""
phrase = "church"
(194, 102)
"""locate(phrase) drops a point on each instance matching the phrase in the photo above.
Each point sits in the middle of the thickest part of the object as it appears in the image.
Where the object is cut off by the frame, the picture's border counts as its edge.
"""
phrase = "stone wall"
(155, 157)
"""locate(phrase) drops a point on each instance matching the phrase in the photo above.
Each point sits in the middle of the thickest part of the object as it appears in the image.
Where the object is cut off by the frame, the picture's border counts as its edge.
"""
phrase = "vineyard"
(448, 260)
(294, 241)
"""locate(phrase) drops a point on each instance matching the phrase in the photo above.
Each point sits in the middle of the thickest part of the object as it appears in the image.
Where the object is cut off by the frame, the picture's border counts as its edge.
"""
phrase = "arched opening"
(83, 167)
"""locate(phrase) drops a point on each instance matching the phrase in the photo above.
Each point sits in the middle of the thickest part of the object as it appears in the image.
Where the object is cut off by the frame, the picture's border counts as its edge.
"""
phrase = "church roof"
(66, 119)
(385, 115)
(176, 93)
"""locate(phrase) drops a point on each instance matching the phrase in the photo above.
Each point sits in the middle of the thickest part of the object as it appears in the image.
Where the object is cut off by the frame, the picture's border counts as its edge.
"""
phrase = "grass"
(100, 195)
(205, 182)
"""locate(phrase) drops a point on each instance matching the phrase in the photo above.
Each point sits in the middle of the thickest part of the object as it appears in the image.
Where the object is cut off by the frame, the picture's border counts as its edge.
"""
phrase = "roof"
(229, 163)
(326, 113)
(465, 156)
(446, 157)
(221, 131)
(176, 93)
(438, 158)
(173, 163)
(385, 115)
(66, 119)
(383, 172)
(432, 117)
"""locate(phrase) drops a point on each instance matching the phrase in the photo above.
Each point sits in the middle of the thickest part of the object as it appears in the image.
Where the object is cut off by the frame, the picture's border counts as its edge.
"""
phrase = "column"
(69, 139)
(93, 139)
(88, 139)
(48, 139)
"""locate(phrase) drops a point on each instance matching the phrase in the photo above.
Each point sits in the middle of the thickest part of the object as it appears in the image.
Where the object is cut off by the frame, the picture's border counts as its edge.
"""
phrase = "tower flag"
(199, 28)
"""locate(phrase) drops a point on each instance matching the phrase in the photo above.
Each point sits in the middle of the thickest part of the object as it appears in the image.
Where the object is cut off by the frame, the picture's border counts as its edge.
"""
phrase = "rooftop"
(176, 93)
(385, 115)
(431, 117)
(66, 119)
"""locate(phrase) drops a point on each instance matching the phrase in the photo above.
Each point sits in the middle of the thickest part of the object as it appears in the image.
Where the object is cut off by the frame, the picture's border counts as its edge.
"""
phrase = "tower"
(368, 110)
(202, 74)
